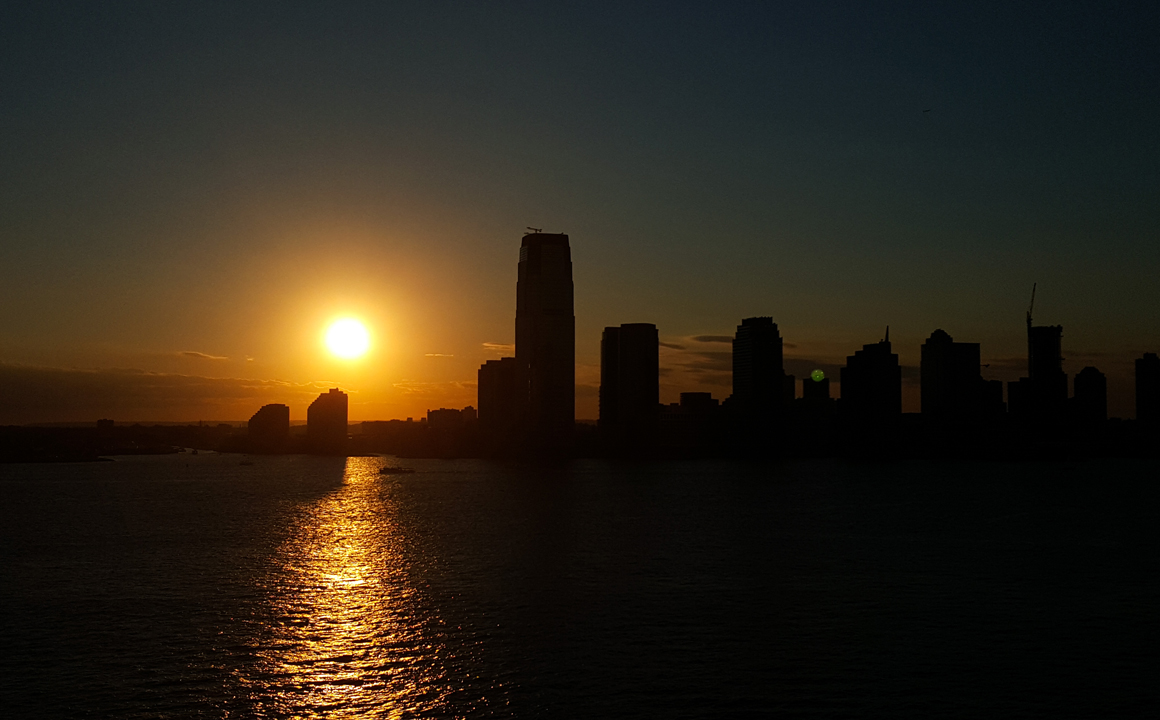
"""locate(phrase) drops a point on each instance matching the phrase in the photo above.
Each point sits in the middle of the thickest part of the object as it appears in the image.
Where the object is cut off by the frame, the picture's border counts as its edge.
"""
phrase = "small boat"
(390, 470)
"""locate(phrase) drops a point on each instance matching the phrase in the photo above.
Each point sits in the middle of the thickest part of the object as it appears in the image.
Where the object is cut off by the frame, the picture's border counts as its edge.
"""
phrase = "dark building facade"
(269, 428)
(1090, 401)
(629, 385)
(816, 390)
(952, 384)
(503, 403)
(872, 382)
(1042, 395)
(1148, 388)
(326, 423)
(546, 340)
(759, 379)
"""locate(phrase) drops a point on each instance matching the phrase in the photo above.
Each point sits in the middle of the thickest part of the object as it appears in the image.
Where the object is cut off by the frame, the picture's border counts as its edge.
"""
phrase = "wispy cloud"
(455, 388)
(437, 355)
(201, 355)
(43, 394)
(499, 348)
(672, 346)
(712, 338)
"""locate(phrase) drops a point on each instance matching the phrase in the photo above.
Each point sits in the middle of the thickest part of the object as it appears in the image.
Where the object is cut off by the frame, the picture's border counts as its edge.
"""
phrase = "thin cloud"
(47, 394)
(437, 355)
(672, 346)
(712, 338)
(500, 348)
(201, 355)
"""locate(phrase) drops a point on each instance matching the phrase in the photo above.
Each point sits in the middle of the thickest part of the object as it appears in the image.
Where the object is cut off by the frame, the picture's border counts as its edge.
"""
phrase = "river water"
(196, 586)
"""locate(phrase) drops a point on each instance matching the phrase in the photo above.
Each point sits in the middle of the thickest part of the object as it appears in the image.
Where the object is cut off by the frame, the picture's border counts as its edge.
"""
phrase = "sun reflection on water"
(349, 636)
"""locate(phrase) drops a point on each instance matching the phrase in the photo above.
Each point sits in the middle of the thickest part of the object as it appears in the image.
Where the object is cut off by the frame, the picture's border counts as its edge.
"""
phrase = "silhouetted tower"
(872, 382)
(503, 402)
(1090, 402)
(952, 385)
(546, 339)
(326, 421)
(629, 385)
(1043, 393)
(759, 379)
(1148, 389)
(269, 428)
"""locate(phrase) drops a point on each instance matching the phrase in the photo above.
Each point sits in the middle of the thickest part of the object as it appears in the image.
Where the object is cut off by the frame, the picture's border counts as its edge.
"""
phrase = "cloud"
(437, 355)
(672, 346)
(452, 389)
(44, 394)
(707, 360)
(500, 348)
(202, 356)
(587, 390)
(716, 379)
(712, 338)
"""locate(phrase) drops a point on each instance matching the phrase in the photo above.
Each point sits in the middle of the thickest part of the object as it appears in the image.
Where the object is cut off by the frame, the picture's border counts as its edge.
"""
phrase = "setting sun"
(347, 338)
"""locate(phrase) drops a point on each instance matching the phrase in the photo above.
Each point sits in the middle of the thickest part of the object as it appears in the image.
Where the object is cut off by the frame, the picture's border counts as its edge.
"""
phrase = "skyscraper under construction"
(546, 340)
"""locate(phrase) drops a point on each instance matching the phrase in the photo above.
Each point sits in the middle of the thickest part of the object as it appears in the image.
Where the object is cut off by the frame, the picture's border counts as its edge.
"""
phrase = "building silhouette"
(546, 340)
(816, 390)
(269, 428)
(1148, 389)
(760, 395)
(629, 386)
(1042, 395)
(503, 403)
(952, 386)
(326, 423)
(872, 383)
(1090, 402)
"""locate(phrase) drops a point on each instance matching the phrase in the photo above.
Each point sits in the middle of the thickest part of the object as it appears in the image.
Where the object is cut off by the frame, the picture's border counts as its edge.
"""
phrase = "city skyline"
(190, 195)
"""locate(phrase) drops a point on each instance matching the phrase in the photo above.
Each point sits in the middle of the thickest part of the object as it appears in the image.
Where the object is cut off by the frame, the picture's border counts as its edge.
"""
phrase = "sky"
(191, 192)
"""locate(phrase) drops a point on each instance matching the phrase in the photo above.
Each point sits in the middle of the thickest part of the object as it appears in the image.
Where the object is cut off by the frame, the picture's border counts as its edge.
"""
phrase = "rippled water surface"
(193, 586)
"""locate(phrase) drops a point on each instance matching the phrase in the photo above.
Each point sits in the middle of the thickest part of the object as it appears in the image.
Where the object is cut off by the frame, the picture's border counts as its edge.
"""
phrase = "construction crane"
(535, 230)
(1032, 305)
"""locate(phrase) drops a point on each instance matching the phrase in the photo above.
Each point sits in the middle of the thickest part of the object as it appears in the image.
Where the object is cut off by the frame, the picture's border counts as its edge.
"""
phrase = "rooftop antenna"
(1032, 305)
(535, 230)
(887, 334)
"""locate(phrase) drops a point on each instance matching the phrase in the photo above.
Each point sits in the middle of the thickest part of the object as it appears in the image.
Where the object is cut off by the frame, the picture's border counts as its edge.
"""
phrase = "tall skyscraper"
(952, 385)
(546, 339)
(1043, 393)
(1148, 388)
(872, 382)
(629, 385)
(326, 421)
(759, 379)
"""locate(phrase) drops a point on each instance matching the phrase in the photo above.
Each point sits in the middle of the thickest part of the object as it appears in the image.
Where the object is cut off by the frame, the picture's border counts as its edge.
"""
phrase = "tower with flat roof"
(326, 423)
(629, 385)
(546, 340)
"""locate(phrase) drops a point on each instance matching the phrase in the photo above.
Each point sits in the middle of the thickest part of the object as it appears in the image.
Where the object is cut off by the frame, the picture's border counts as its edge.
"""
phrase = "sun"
(348, 338)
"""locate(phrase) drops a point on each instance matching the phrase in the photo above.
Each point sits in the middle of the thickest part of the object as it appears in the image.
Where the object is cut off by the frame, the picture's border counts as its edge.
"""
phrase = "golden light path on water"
(349, 639)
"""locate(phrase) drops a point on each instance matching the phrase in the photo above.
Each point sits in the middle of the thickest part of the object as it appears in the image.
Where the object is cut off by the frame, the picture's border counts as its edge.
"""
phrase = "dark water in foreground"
(185, 586)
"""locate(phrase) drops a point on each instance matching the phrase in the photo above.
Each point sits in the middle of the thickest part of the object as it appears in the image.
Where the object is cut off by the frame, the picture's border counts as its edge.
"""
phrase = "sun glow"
(348, 338)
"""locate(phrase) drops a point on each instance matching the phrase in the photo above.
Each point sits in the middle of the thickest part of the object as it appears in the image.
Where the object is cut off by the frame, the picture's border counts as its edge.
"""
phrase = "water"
(192, 586)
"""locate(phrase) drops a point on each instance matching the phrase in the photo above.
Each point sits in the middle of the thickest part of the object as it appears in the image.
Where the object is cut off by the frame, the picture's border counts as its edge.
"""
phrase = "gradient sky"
(189, 192)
